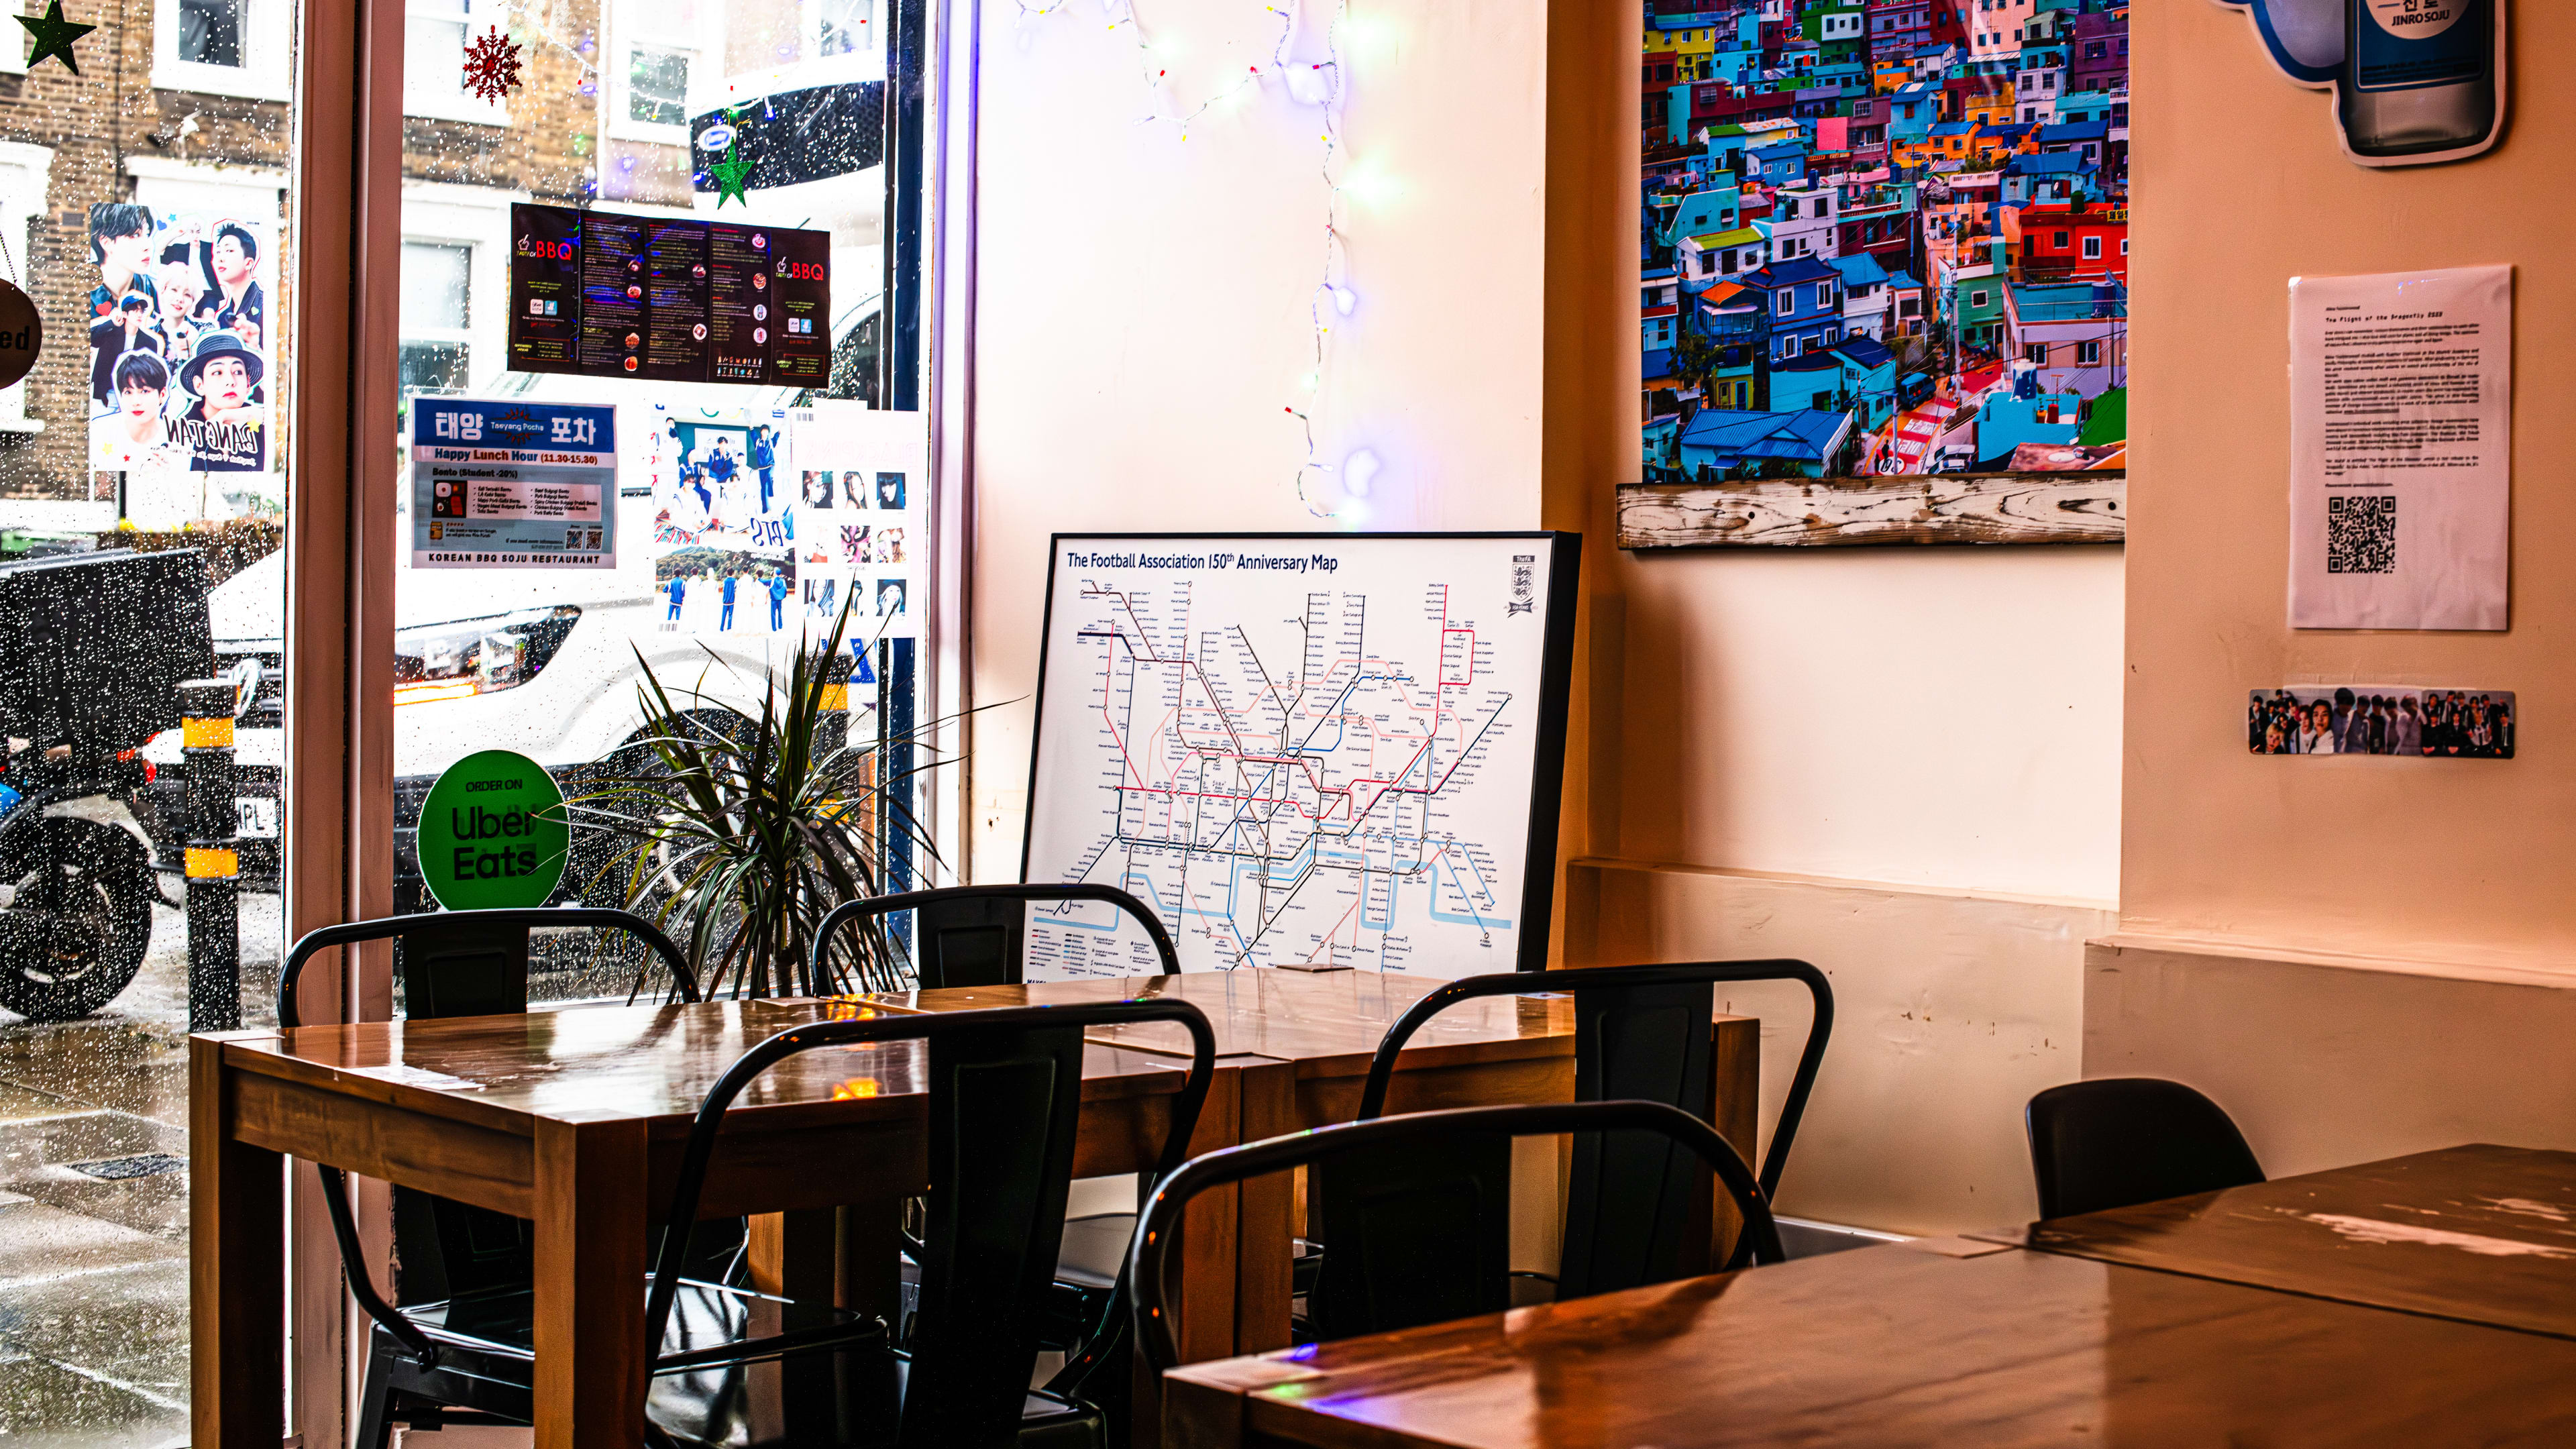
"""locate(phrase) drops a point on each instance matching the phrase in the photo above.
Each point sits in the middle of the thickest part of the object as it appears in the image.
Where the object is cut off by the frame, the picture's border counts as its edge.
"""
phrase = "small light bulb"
(1312, 85)
(1359, 470)
(1344, 299)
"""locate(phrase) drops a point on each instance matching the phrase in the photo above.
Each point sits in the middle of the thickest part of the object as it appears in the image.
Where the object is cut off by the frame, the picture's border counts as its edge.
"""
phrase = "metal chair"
(1641, 1033)
(1424, 1242)
(458, 1261)
(972, 936)
(2120, 1141)
(1005, 1099)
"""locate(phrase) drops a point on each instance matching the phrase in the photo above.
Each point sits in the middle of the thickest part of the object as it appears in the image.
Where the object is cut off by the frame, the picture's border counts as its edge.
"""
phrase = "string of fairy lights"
(1318, 83)
(1321, 84)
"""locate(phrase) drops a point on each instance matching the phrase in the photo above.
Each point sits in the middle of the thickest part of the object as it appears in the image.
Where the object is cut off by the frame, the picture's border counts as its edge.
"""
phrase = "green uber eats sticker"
(493, 833)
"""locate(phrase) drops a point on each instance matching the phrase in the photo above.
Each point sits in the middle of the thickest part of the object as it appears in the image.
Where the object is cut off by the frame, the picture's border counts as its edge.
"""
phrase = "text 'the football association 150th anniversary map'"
(1299, 751)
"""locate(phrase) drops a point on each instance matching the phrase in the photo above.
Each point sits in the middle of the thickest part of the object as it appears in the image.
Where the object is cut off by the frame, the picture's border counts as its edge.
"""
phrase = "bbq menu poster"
(668, 298)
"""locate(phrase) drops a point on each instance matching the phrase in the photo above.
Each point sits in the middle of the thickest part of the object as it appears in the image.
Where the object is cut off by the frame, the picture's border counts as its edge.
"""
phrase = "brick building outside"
(181, 105)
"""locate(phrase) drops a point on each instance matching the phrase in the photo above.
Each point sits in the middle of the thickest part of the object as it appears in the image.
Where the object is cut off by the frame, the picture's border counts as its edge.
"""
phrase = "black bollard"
(214, 857)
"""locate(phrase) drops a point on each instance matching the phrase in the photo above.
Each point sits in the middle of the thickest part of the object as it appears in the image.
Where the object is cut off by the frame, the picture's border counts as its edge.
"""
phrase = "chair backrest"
(972, 935)
(1640, 1033)
(1005, 1092)
(453, 963)
(2121, 1141)
(1436, 1266)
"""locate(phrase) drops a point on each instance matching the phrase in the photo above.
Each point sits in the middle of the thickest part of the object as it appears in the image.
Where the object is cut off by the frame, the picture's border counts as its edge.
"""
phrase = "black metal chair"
(972, 936)
(1005, 1100)
(2121, 1141)
(458, 1262)
(1641, 1033)
(1424, 1242)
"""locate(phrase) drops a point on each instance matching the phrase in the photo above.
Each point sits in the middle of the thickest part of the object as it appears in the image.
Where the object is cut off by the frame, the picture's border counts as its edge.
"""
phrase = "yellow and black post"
(832, 710)
(214, 857)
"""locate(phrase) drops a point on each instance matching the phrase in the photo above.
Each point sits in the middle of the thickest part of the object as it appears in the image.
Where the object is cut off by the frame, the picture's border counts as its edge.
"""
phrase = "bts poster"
(182, 351)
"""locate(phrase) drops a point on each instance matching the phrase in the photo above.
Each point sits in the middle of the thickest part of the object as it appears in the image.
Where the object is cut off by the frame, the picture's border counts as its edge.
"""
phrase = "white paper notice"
(2401, 446)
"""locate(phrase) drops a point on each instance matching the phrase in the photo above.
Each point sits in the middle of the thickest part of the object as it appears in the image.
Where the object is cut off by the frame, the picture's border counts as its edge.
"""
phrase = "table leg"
(792, 1255)
(1210, 1251)
(1265, 1216)
(848, 1257)
(1209, 1235)
(236, 1270)
(591, 1356)
(1735, 1064)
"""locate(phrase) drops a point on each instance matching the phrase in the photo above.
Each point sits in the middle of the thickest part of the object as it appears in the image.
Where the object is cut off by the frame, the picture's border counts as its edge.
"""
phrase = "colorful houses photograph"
(1884, 237)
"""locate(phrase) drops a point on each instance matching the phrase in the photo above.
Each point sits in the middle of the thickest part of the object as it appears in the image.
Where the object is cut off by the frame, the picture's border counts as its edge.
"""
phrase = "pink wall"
(2239, 188)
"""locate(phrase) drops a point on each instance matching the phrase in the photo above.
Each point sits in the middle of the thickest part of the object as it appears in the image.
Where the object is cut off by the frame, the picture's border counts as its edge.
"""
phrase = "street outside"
(94, 1204)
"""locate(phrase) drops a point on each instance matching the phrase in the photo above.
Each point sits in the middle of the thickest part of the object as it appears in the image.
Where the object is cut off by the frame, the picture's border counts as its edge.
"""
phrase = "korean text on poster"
(2401, 449)
(512, 484)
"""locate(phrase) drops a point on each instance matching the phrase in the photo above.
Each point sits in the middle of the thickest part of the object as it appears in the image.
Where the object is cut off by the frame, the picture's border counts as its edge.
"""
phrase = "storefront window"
(752, 514)
(146, 208)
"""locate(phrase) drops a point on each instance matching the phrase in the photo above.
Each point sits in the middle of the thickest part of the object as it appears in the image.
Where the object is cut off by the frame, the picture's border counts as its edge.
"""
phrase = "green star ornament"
(54, 36)
(732, 174)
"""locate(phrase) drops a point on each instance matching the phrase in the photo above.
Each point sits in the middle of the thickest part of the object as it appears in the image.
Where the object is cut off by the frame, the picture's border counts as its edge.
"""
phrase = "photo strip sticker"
(2401, 720)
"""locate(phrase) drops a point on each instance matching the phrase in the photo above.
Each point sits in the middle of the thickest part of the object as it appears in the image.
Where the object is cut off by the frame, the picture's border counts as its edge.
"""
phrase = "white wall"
(1142, 298)
(1950, 1013)
(1928, 717)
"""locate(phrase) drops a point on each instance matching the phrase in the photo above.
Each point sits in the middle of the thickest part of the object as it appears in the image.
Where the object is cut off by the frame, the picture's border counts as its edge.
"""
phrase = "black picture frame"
(1556, 672)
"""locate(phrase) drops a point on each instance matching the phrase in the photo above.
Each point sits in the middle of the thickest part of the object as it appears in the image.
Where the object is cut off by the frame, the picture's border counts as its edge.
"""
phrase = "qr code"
(2361, 534)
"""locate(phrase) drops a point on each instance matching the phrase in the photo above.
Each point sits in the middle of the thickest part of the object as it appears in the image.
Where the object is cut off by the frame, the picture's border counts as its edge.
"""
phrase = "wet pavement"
(94, 1205)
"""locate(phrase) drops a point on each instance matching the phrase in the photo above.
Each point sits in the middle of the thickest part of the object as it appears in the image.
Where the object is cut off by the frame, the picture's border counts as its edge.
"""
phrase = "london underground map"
(1336, 750)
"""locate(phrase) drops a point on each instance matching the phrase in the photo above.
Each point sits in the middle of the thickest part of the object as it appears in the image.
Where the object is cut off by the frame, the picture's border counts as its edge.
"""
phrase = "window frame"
(408, 331)
(811, 26)
(26, 171)
(626, 32)
(263, 75)
(470, 110)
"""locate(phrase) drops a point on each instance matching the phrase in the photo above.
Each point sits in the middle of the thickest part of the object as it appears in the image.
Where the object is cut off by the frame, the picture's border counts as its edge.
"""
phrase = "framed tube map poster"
(1309, 751)
(1883, 256)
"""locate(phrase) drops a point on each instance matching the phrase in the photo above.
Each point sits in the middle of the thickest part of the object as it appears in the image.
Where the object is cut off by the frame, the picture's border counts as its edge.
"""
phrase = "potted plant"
(736, 828)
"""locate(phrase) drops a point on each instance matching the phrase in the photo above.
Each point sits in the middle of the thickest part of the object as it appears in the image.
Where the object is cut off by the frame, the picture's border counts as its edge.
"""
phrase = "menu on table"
(669, 298)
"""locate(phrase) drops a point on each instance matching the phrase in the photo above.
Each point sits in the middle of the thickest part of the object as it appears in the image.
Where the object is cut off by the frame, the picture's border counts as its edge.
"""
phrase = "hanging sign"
(22, 334)
(493, 833)
(512, 484)
(2414, 81)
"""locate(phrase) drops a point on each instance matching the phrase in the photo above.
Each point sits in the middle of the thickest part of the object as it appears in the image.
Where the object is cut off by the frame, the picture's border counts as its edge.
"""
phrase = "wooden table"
(574, 1119)
(1303, 1041)
(1901, 1345)
(2481, 1234)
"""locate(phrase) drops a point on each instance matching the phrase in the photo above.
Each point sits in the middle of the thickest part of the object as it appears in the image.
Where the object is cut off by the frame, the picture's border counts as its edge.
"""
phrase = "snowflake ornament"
(492, 66)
